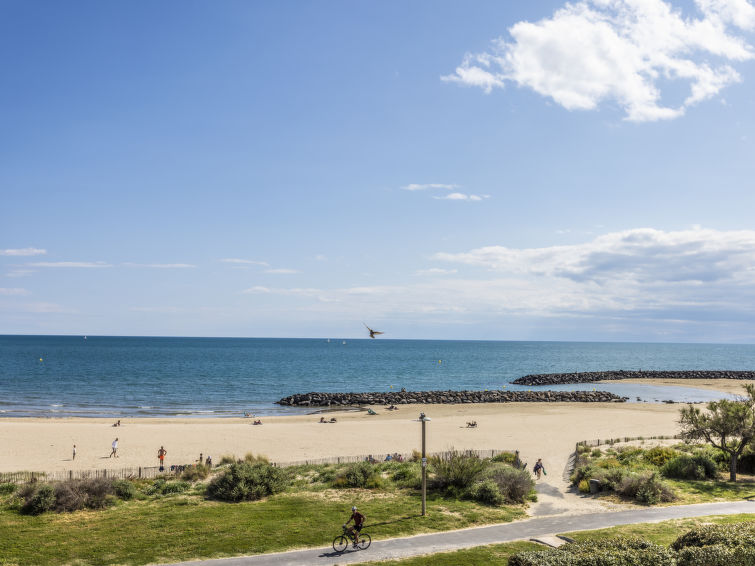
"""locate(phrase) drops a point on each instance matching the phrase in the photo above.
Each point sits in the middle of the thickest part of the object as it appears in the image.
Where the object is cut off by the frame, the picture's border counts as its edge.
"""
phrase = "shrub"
(457, 470)
(610, 479)
(94, 493)
(729, 535)
(227, 459)
(609, 463)
(614, 552)
(584, 486)
(7, 488)
(581, 473)
(248, 482)
(358, 474)
(39, 499)
(195, 473)
(252, 459)
(124, 489)
(629, 454)
(408, 474)
(504, 458)
(175, 487)
(156, 487)
(659, 455)
(716, 555)
(513, 484)
(685, 467)
(645, 488)
(486, 492)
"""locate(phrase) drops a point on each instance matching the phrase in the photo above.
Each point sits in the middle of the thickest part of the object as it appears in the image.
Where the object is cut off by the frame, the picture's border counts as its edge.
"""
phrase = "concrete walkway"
(466, 538)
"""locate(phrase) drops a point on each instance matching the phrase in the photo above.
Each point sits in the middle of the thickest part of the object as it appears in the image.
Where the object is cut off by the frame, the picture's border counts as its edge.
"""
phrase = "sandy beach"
(537, 430)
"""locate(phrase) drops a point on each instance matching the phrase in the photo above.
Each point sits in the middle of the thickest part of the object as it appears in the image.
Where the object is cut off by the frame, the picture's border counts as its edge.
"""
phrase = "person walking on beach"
(74, 452)
(161, 456)
(115, 449)
(539, 469)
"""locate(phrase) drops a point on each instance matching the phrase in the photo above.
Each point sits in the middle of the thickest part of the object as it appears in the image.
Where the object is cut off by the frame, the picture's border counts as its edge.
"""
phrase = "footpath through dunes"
(612, 375)
(316, 399)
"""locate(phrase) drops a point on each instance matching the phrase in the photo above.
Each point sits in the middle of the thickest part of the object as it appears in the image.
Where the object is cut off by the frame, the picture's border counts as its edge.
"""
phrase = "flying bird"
(373, 333)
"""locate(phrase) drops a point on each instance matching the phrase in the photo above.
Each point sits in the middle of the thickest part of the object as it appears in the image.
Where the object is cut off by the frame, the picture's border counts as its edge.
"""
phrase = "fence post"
(140, 471)
(70, 475)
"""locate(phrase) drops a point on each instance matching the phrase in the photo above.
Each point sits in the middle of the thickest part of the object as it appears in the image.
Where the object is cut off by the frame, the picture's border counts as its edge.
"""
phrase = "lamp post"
(423, 419)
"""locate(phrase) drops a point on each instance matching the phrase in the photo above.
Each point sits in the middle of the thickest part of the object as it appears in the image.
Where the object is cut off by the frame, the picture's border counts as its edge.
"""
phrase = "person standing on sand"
(539, 469)
(74, 452)
(161, 456)
(115, 449)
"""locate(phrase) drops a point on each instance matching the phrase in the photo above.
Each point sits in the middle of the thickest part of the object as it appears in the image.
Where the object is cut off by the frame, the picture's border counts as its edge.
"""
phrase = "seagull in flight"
(373, 333)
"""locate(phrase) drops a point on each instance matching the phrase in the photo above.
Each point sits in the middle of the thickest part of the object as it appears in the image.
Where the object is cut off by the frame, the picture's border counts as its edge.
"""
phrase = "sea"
(114, 376)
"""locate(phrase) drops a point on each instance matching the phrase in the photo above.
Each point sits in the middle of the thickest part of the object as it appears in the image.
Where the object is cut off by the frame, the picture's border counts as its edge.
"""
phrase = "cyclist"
(358, 519)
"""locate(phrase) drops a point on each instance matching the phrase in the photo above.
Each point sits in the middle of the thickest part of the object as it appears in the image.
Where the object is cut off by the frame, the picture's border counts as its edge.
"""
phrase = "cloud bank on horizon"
(622, 51)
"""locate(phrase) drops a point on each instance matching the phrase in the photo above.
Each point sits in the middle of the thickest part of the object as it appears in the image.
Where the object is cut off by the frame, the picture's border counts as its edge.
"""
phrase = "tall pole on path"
(424, 419)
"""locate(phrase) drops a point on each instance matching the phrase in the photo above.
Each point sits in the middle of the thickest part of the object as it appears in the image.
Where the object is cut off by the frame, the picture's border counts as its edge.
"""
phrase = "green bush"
(248, 482)
(629, 454)
(358, 474)
(610, 479)
(124, 489)
(195, 473)
(456, 470)
(513, 484)
(685, 467)
(226, 459)
(175, 487)
(504, 458)
(728, 535)
(486, 492)
(93, 493)
(407, 474)
(659, 455)
(645, 488)
(596, 453)
(38, 499)
(614, 552)
(716, 555)
(582, 473)
(584, 486)
(7, 488)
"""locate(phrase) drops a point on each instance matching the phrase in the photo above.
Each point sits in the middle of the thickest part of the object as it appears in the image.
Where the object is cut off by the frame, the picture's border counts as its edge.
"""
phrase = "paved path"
(453, 540)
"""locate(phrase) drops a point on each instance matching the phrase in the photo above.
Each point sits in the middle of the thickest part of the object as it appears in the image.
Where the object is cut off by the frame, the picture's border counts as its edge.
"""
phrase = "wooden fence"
(154, 471)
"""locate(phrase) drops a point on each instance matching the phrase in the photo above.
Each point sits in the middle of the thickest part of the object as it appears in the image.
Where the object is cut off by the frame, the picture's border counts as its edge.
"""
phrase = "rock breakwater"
(445, 398)
(590, 376)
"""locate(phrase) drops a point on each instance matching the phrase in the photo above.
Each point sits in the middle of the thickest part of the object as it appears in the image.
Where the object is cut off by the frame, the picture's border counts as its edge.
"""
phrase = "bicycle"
(341, 542)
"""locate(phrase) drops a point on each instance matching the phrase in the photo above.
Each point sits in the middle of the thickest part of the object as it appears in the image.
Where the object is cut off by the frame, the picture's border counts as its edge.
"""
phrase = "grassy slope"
(660, 533)
(185, 527)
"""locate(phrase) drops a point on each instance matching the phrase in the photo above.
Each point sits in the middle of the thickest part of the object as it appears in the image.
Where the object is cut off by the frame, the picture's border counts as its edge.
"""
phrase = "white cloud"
(244, 261)
(5, 292)
(85, 264)
(462, 196)
(260, 290)
(161, 265)
(281, 271)
(23, 252)
(19, 272)
(436, 271)
(428, 186)
(593, 51)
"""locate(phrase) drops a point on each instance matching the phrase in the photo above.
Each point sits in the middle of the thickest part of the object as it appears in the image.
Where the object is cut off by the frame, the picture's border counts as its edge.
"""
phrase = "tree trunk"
(733, 467)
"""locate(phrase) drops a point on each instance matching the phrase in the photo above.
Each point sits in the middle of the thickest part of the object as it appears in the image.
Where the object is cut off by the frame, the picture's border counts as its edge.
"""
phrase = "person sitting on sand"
(118, 423)
(258, 421)
(333, 419)
(472, 424)
(322, 420)
(371, 412)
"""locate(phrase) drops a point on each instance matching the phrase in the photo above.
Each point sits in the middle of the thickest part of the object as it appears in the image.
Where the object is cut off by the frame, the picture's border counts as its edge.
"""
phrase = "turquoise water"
(132, 376)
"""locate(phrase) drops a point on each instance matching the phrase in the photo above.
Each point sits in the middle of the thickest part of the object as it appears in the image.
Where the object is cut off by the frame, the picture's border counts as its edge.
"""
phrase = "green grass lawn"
(690, 491)
(184, 527)
(660, 533)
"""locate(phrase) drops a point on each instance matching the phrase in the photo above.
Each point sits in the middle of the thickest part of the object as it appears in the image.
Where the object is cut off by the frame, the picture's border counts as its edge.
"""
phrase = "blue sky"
(509, 170)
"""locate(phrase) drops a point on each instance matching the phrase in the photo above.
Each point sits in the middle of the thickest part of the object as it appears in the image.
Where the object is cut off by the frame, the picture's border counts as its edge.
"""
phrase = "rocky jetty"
(590, 376)
(445, 398)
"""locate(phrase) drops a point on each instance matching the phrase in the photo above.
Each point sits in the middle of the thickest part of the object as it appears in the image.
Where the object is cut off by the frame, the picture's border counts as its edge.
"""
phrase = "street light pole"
(424, 419)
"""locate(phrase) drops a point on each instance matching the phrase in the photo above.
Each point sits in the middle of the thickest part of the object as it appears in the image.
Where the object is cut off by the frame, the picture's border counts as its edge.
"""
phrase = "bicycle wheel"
(340, 543)
(364, 541)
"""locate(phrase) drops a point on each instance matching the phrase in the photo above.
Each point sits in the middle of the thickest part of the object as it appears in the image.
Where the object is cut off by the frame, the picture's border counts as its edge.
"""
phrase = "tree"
(728, 425)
